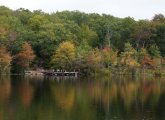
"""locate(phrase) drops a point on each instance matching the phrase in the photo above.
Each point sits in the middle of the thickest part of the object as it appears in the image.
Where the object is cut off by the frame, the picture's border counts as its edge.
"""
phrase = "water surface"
(122, 98)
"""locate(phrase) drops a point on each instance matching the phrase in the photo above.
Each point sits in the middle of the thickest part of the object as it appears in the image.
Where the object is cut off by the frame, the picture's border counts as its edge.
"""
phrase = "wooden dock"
(75, 74)
(51, 73)
(34, 73)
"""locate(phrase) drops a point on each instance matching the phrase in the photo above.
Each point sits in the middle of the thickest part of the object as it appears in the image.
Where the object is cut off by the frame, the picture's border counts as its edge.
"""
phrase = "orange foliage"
(5, 59)
(25, 56)
(94, 58)
(109, 55)
(106, 49)
(2, 30)
(147, 61)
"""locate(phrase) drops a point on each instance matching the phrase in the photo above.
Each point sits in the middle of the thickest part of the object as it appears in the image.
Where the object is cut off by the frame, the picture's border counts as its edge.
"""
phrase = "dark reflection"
(122, 98)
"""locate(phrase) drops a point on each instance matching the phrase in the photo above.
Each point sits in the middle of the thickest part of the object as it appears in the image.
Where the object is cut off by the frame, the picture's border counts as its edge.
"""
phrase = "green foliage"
(36, 22)
(160, 36)
(143, 34)
(141, 54)
(4, 11)
(88, 36)
(135, 41)
(154, 51)
(158, 17)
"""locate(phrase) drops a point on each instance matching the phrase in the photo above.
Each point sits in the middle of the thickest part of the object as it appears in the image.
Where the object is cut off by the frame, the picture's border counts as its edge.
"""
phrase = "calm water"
(23, 98)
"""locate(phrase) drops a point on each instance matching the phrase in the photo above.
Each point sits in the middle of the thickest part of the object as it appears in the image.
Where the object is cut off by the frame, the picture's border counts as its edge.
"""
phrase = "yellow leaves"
(133, 63)
(37, 21)
(157, 62)
(128, 57)
(143, 52)
(64, 55)
(130, 62)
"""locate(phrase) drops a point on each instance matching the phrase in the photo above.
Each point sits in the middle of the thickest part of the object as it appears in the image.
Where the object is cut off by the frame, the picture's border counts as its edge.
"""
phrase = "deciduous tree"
(94, 59)
(5, 60)
(25, 56)
(64, 56)
(129, 56)
(109, 56)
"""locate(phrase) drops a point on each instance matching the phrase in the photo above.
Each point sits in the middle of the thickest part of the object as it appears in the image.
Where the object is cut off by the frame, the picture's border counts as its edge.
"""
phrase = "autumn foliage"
(147, 61)
(94, 58)
(64, 55)
(109, 56)
(26, 56)
(128, 57)
(5, 59)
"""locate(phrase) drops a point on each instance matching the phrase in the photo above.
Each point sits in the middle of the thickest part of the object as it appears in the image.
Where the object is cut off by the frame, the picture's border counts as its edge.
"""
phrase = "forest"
(74, 40)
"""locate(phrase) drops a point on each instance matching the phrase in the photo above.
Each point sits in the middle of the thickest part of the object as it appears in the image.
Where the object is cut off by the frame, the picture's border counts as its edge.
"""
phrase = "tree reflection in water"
(122, 98)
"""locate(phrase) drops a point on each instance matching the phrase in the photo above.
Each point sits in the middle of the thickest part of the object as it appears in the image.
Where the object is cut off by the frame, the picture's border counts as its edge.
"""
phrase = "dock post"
(76, 74)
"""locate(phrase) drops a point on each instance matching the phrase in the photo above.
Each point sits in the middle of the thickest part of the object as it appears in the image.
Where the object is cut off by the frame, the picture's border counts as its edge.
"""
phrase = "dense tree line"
(73, 39)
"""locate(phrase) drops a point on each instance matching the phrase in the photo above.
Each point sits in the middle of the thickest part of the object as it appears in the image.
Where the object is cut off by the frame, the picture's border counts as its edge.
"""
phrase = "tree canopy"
(75, 35)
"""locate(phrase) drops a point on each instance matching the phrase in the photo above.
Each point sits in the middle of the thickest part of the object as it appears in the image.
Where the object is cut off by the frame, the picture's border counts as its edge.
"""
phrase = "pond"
(105, 98)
